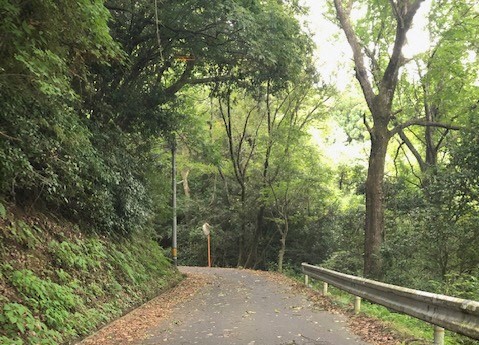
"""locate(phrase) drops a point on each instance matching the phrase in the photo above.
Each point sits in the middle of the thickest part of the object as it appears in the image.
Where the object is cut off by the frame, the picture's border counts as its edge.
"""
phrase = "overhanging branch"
(182, 80)
(8, 136)
(422, 122)
(413, 150)
(213, 79)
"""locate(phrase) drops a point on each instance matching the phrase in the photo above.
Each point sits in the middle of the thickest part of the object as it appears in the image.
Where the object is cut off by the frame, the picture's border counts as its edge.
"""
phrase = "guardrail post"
(306, 280)
(325, 289)
(447, 312)
(357, 304)
(438, 335)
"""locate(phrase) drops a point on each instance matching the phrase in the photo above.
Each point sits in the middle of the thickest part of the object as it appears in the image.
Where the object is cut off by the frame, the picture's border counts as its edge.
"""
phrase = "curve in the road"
(242, 307)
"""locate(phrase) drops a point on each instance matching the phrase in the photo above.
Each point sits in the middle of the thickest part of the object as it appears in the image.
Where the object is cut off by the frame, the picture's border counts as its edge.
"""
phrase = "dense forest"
(96, 96)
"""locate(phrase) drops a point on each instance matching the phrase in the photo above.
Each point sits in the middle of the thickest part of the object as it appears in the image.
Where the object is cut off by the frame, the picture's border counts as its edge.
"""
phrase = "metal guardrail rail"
(455, 314)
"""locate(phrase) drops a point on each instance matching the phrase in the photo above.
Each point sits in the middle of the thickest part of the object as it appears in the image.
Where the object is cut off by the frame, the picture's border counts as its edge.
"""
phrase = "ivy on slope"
(58, 284)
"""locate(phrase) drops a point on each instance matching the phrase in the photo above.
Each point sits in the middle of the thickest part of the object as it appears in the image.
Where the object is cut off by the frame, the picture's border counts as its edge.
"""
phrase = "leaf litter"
(370, 330)
(134, 326)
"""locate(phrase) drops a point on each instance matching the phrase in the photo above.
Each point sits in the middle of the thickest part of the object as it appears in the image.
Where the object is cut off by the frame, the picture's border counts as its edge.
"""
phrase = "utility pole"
(173, 200)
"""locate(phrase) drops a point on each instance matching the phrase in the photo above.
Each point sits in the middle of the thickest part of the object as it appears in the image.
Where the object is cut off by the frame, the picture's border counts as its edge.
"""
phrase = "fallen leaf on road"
(134, 326)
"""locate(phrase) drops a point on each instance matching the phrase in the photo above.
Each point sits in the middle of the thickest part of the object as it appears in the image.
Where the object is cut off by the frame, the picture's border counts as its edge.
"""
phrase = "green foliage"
(3, 211)
(344, 262)
(79, 114)
(68, 288)
(106, 191)
(5, 340)
(17, 319)
(23, 234)
(62, 276)
(460, 285)
(52, 300)
(83, 255)
(438, 223)
(251, 164)
(49, 156)
(79, 132)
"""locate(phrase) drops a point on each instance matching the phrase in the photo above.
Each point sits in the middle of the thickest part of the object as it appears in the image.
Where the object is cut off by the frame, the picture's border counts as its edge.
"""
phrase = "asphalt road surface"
(244, 308)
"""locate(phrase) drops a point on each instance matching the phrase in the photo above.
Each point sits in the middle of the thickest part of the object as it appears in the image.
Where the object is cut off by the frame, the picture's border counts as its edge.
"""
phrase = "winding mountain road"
(246, 308)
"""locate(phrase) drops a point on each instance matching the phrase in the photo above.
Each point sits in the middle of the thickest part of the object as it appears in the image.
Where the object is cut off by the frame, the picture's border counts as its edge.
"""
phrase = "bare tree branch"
(413, 150)
(441, 139)
(395, 10)
(411, 166)
(212, 79)
(422, 122)
(401, 143)
(368, 127)
(389, 81)
(244, 134)
(227, 122)
(254, 143)
(361, 72)
(182, 80)
(374, 65)
(8, 136)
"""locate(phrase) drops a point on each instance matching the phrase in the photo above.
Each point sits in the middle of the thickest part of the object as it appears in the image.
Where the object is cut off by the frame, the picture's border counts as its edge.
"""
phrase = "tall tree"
(288, 114)
(299, 178)
(378, 85)
(443, 92)
(377, 41)
(242, 138)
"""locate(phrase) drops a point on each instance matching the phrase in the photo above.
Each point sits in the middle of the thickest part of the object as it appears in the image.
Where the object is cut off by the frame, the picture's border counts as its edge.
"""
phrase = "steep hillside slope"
(58, 283)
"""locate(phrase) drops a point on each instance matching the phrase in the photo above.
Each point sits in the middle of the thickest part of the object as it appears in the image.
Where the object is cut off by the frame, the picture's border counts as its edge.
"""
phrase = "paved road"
(245, 308)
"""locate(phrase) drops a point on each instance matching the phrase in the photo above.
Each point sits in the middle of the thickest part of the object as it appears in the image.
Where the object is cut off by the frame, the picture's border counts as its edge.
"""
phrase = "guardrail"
(455, 314)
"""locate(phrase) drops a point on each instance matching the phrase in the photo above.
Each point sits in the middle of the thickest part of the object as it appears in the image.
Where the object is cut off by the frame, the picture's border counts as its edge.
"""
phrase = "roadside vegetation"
(59, 283)
(375, 322)
(286, 168)
(409, 329)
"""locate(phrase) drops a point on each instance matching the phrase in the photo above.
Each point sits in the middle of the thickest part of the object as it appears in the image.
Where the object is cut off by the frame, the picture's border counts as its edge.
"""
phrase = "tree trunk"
(242, 235)
(258, 231)
(241, 247)
(380, 106)
(186, 188)
(374, 225)
(281, 254)
(282, 249)
(251, 261)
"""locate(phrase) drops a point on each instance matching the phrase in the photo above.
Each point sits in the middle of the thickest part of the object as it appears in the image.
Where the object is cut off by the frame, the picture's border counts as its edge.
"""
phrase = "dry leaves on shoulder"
(133, 326)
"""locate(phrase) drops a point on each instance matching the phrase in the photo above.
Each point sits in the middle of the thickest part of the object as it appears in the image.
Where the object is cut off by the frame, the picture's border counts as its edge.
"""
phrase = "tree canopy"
(94, 93)
(88, 87)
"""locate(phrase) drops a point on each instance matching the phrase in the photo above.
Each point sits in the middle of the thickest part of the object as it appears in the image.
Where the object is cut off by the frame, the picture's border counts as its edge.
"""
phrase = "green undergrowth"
(410, 329)
(58, 284)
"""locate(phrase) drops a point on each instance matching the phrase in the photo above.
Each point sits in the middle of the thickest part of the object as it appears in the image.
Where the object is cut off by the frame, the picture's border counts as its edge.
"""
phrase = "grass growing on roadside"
(406, 326)
(60, 284)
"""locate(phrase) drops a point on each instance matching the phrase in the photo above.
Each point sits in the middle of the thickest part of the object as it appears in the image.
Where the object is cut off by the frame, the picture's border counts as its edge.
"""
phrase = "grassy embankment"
(57, 283)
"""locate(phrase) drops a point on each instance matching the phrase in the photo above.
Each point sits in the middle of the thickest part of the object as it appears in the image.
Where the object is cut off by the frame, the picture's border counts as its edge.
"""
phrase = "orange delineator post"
(209, 250)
